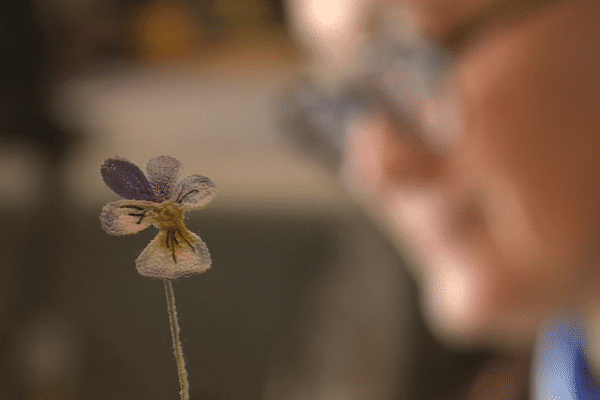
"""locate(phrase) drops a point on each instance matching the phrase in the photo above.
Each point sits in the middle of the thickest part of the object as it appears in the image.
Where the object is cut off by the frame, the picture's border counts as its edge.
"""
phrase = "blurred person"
(484, 164)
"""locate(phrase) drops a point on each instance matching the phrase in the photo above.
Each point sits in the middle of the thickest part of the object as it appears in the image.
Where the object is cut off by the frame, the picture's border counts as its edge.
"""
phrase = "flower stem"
(183, 377)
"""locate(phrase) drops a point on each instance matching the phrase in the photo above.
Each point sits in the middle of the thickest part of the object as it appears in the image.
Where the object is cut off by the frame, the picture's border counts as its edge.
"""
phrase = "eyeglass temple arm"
(318, 122)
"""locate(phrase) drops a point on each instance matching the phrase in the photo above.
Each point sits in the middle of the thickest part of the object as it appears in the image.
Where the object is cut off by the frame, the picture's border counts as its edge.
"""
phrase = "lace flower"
(158, 200)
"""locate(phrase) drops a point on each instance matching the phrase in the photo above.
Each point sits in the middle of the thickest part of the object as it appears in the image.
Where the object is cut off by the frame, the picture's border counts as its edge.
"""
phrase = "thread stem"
(178, 351)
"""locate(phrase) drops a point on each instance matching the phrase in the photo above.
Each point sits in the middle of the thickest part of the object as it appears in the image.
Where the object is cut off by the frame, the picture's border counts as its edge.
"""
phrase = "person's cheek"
(542, 146)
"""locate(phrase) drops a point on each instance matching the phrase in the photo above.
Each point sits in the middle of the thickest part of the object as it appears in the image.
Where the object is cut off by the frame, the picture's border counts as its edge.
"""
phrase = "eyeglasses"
(409, 81)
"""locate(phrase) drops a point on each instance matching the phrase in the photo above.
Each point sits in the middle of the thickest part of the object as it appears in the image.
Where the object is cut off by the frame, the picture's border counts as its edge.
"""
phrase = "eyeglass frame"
(429, 62)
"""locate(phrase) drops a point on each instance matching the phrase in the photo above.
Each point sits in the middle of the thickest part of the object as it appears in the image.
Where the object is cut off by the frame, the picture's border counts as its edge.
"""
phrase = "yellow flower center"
(168, 216)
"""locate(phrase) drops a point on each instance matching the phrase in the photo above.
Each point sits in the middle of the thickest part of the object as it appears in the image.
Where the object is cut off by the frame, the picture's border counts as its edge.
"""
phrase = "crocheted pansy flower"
(160, 200)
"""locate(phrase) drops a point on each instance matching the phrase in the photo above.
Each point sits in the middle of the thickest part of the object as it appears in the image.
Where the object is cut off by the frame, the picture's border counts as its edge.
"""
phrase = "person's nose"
(383, 154)
(409, 163)
(406, 158)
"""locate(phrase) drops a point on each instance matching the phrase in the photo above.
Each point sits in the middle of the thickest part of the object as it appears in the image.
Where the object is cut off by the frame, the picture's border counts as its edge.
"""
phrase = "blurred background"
(306, 299)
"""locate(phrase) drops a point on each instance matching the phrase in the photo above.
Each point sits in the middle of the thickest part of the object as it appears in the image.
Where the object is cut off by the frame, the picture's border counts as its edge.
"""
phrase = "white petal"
(125, 217)
(163, 173)
(195, 191)
(165, 258)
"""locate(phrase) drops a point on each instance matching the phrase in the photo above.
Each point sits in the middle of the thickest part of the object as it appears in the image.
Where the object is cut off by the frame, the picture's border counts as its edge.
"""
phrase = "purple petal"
(163, 172)
(126, 180)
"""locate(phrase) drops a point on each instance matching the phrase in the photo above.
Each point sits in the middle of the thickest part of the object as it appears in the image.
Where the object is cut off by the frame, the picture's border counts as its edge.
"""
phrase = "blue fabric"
(561, 368)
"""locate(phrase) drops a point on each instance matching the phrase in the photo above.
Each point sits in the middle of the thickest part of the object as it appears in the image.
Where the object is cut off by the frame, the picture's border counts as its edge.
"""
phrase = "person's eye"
(461, 39)
(479, 29)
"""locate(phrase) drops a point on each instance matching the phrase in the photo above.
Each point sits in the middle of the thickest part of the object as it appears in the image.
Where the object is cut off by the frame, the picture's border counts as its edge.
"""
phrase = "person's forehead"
(436, 17)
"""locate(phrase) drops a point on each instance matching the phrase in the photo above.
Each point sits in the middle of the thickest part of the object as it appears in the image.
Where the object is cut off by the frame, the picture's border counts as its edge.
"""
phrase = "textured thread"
(183, 377)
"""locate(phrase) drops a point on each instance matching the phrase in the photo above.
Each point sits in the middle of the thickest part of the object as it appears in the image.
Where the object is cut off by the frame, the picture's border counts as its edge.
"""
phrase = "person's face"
(506, 226)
